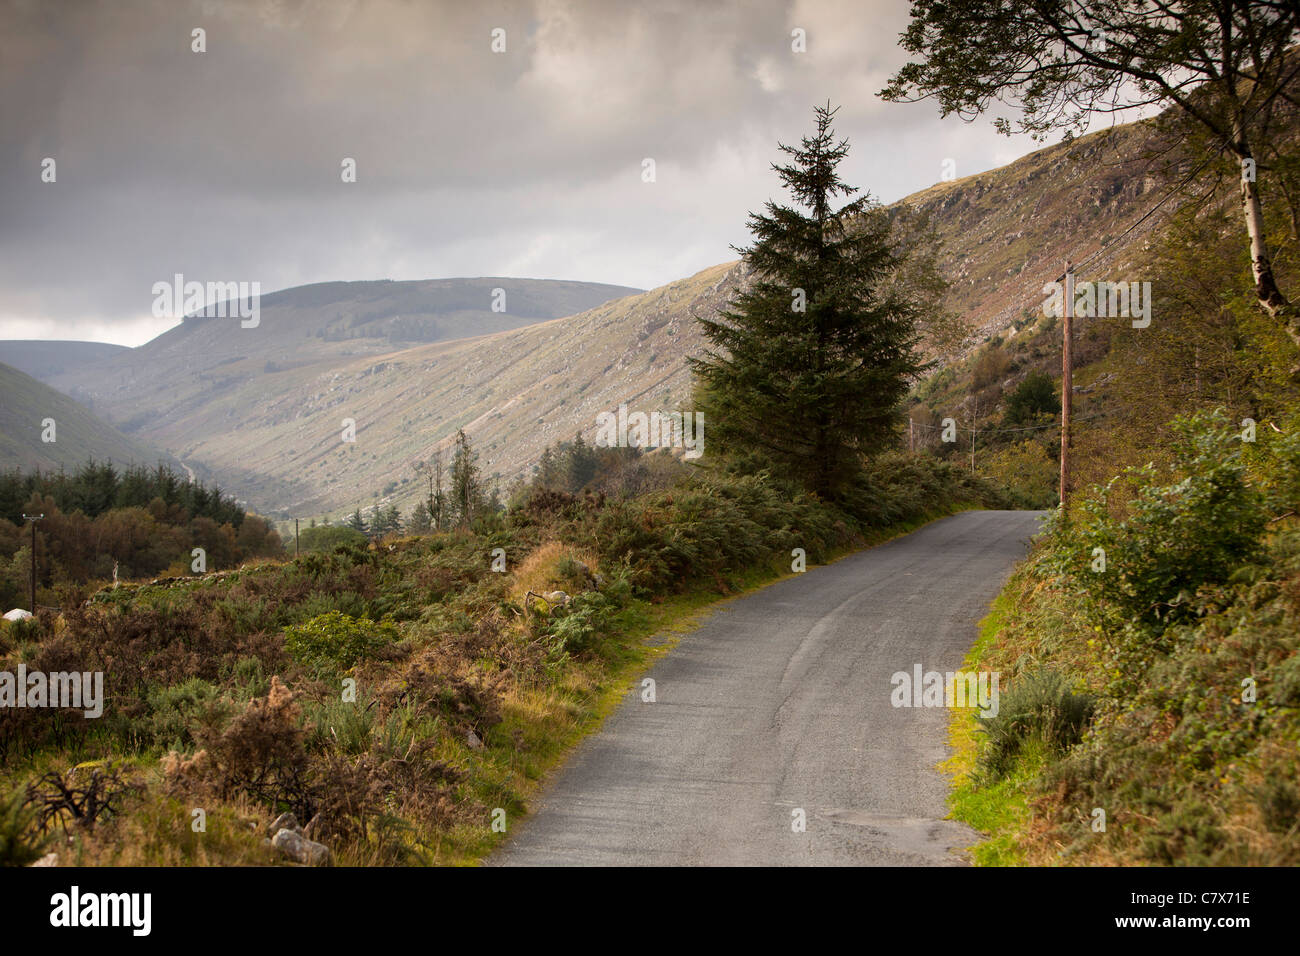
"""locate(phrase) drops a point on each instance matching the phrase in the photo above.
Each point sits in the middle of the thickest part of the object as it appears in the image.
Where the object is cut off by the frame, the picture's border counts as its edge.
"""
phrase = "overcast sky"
(226, 165)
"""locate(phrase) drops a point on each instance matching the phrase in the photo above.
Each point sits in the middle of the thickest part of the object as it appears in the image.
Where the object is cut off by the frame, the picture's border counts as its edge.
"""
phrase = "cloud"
(225, 165)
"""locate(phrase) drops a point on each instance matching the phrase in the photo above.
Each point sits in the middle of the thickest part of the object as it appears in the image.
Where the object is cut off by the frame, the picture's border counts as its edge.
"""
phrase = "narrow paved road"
(781, 702)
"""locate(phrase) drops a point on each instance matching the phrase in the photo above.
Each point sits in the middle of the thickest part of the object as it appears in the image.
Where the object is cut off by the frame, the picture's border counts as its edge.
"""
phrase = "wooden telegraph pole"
(1066, 383)
(33, 519)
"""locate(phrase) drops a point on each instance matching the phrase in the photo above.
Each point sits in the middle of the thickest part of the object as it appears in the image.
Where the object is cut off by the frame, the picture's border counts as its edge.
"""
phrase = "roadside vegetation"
(1147, 645)
(393, 694)
(1149, 651)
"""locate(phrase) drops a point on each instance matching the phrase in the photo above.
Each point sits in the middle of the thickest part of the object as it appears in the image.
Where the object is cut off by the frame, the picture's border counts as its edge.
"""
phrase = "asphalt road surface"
(780, 702)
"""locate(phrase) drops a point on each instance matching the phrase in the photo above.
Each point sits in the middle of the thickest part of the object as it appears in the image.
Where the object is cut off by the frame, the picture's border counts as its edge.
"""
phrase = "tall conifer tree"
(812, 359)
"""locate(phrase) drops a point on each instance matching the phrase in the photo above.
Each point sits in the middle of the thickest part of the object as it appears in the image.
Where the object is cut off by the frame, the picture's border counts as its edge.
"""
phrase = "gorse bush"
(338, 642)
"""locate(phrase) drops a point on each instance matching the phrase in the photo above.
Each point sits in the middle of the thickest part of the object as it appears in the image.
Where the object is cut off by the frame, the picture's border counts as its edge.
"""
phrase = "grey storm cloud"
(225, 165)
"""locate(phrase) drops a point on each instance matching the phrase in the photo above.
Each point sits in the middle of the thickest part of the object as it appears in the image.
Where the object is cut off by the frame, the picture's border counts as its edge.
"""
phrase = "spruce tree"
(419, 520)
(466, 492)
(581, 466)
(810, 362)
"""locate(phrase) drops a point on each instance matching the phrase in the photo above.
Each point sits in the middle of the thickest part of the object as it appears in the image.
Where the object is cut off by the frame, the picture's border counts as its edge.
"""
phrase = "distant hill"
(202, 360)
(44, 359)
(25, 403)
(276, 438)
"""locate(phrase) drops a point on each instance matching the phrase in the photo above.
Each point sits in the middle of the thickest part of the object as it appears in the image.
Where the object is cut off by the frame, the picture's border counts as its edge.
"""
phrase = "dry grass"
(541, 570)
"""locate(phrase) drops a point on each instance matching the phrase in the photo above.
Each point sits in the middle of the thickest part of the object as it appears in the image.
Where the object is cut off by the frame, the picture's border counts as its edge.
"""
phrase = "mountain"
(205, 359)
(25, 405)
(513, 393)
(44, 359)
(262, 410)
(1006, 232)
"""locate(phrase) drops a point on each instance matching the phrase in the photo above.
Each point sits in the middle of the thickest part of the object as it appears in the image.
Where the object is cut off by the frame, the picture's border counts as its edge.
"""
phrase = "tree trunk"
(1269, 295)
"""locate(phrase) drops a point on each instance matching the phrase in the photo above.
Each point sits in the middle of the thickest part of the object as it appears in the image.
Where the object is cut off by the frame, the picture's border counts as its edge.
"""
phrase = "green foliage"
(176, 711)
(330, 536)
(1189, 642)
(138, 522)
(419, 520)
(21, 840)
(588, 619)
(1032, 398)
(467, 494)
(1040, 707)
(337, 642)
(1027, 471)
(810, 363)
(1165, 543)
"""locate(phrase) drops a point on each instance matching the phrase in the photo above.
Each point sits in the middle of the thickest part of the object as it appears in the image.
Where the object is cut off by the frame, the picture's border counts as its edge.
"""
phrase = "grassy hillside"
(25, 403)
(210, 359)
(276, 437)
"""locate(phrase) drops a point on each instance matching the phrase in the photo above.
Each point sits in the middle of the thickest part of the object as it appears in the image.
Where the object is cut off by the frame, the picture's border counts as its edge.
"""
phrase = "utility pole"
(295, 537)
(33, 519)
(1067, 387)
(911, 436)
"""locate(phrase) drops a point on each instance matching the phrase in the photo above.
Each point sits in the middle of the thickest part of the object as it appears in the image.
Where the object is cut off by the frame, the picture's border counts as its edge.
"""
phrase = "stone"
(301, 850)
(286, 821)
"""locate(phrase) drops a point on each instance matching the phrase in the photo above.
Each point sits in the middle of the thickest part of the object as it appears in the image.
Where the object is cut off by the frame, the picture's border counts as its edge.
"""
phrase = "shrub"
(1039, 707)
(1033, 397)
(336, 641)
(1169, 540)
(175, 711)
(260, 755)
(84, 796)
(328, 537)
(21, 840)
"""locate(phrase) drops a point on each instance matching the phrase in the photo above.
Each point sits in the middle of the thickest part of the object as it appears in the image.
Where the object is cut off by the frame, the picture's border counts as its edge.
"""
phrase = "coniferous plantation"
(99, 523)
(955, 521)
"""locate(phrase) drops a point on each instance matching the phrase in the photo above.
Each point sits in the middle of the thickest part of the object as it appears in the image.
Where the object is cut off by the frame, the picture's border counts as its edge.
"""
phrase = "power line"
(999, 431)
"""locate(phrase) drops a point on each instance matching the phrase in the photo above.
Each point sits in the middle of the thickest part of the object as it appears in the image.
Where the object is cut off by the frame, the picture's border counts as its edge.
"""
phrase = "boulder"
(301, 850)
